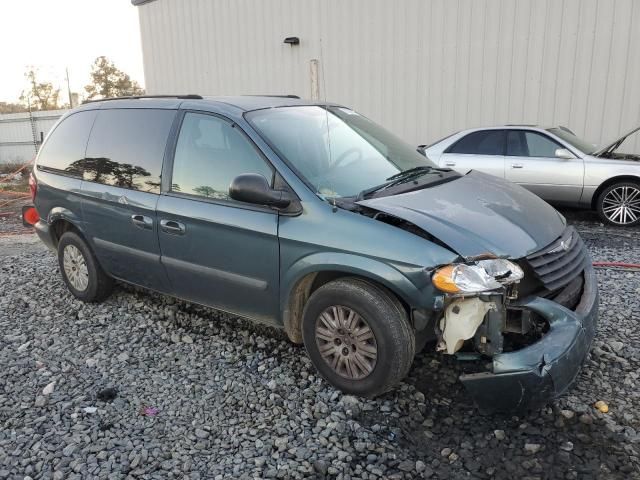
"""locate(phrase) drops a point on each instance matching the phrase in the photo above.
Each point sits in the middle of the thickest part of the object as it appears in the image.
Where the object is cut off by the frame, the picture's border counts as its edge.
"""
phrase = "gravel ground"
(143, 386)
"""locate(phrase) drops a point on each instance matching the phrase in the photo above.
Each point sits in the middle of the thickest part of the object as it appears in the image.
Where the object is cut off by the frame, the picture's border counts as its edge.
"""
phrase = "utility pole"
(69, 88)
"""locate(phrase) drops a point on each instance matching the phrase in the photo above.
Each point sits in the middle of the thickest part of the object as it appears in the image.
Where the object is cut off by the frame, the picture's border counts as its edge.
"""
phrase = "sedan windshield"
(577, 142)
(338, 152)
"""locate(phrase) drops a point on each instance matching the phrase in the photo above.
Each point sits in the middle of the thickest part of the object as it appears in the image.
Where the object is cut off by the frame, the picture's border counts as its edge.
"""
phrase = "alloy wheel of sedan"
(75, 268)
(346, 342)
(621, 205)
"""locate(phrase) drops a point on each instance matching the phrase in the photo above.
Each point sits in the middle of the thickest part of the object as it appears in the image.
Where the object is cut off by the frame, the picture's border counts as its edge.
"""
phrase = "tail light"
(29, 216)
(33, 187)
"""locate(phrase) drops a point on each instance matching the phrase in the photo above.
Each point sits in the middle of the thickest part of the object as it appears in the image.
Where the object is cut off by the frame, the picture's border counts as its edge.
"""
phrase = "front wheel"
(619, 204)
(358, 336)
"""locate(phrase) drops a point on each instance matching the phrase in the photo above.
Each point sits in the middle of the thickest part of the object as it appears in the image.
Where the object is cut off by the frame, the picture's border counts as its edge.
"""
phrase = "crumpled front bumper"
(528, 378)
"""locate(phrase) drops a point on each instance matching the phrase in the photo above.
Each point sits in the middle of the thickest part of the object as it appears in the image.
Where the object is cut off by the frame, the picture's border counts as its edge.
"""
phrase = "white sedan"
(551, 162)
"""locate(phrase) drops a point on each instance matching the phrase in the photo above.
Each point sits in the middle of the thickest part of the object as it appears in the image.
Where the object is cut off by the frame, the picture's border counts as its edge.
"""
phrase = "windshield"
(337, 152)
(582, 145)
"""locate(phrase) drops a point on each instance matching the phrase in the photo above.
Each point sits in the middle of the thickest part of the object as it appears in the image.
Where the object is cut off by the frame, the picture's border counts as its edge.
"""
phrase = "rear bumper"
(528, 378)
(44, 232)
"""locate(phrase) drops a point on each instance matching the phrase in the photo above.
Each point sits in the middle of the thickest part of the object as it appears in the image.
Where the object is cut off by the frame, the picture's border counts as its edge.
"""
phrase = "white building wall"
(16, 137)
(422, 68)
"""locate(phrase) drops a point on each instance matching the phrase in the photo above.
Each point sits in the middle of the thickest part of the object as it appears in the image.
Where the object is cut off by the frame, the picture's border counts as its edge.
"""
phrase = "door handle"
(450, 164)
(172, 227)
(142, 221)
(517, 165)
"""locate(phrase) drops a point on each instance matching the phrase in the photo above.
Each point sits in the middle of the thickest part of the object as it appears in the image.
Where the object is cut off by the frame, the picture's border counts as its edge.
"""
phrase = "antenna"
(326, 112)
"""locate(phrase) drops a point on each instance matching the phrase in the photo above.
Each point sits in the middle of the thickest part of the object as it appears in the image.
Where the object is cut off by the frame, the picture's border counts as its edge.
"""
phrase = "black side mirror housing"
(254, 188)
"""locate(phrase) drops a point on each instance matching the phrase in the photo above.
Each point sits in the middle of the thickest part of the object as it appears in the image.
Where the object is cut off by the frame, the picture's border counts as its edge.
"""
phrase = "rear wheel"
(80, 270)
(619, 204)
(358, 336)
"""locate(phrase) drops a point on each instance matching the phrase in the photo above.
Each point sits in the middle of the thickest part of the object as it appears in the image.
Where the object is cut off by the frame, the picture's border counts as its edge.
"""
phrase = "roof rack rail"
(275, 96)
(190, 96)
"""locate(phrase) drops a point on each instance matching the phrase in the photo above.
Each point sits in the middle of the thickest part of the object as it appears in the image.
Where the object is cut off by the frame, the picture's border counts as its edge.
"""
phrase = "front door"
(531, 162)
(218, 251)
(482, 150)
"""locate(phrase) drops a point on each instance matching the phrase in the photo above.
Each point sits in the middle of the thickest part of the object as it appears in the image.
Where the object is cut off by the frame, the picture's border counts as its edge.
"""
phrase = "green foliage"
(108, 81)
(39, 95)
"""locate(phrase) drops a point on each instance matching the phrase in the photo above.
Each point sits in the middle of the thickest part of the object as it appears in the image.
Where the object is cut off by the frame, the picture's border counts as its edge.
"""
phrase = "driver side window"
(522, 143)
(210, 153)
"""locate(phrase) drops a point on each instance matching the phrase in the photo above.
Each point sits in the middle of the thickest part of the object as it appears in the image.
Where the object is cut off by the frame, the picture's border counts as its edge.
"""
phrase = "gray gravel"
(147, 387)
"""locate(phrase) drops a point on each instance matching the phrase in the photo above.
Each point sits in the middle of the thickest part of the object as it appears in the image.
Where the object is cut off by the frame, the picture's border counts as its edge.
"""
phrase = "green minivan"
(310, 217)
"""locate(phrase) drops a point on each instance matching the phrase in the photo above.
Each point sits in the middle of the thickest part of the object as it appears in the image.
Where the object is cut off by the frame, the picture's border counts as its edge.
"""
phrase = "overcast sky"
(52, 35)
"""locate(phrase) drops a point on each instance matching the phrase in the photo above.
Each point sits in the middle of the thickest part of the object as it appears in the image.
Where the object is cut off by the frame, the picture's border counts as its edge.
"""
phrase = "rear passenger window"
(485, 142)
(210, 153)
(64, 148)
(126, 148)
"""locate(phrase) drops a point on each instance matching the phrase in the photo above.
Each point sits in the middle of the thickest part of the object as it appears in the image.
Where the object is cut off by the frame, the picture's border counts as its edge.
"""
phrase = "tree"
(108, 81)
(8, 107)
(39, 95)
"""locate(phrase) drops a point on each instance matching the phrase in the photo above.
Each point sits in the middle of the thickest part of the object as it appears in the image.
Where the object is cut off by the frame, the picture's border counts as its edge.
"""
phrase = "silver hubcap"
(346, 342)
(75, 268)
(622, 205)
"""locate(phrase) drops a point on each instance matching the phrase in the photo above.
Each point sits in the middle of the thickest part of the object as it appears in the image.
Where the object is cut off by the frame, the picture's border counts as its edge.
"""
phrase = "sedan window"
(484, 142)
(522, 143)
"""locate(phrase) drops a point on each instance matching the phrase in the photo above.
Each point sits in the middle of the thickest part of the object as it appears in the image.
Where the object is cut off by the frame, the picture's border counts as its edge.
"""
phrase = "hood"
(610, 147)
(478, 214)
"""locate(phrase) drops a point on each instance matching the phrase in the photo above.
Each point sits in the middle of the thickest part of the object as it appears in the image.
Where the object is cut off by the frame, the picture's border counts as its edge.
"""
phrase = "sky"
(53, 34)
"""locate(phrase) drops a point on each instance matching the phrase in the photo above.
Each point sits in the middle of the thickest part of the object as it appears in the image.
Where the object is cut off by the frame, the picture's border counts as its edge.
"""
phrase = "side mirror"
(564, 154)
(421, 150)
(254, 188)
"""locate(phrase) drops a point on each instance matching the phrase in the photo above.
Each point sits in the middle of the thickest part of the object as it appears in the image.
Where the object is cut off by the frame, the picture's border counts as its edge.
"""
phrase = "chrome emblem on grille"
(565, 245)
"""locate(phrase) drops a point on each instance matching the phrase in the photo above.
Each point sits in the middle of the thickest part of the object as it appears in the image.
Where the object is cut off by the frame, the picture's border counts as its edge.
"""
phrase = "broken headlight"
(476, 277)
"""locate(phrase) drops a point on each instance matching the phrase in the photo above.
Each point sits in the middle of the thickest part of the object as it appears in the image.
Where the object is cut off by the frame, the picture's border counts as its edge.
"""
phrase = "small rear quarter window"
(66, 144)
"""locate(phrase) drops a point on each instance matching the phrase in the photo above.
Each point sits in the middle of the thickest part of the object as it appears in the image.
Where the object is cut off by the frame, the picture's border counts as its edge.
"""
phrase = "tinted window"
(126, 148)
(486, 142)
(210, 153)
(66, 144)
(530, 144)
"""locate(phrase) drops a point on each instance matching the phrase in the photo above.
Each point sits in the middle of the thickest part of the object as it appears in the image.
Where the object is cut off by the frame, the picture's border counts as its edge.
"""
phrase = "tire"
(389, 334)
(90, 283)
(619, 204)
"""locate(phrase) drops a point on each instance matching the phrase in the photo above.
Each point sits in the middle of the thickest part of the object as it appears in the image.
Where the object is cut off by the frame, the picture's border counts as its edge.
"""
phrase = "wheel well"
(608, 183)
(60, 227)
(303, 290)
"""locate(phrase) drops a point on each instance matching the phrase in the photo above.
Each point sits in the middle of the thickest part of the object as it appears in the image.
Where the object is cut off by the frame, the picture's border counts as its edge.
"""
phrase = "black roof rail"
(275, 96)
(190, 96)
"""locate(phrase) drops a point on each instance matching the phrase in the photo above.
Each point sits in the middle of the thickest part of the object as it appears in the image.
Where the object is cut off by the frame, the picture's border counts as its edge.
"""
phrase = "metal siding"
(422, 68)
(16, 138)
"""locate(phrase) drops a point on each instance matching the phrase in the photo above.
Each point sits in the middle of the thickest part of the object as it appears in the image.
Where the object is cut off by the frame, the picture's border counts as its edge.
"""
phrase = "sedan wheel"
(620, 204)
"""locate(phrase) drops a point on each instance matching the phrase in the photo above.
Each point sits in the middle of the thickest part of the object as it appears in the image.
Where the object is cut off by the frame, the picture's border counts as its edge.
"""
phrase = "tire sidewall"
(89, 293)
(600, 201)
(377, 320)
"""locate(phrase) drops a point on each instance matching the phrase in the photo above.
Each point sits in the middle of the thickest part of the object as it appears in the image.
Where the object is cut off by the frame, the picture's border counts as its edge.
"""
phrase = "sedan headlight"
(480, 276)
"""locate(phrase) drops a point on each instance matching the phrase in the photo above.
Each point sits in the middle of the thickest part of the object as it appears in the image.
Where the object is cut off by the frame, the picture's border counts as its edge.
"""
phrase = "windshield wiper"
(411, 171)
(401, 177)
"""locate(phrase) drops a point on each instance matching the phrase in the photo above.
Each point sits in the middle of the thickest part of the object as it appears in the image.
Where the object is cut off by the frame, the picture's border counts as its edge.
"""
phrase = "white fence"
(22, 133)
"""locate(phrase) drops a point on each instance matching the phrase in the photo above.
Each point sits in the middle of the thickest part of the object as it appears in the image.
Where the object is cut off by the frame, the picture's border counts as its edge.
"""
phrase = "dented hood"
(478, 214)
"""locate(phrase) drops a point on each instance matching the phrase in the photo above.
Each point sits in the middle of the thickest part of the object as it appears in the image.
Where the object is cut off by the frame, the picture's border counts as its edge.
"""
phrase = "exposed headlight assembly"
(476, 277)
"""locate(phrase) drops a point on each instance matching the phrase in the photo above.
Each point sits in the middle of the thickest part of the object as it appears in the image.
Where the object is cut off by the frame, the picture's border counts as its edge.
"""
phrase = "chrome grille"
(559, 263)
